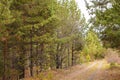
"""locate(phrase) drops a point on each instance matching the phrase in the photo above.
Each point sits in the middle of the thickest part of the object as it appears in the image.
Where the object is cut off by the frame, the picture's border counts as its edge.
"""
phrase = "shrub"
(112, 56)
(45, 76)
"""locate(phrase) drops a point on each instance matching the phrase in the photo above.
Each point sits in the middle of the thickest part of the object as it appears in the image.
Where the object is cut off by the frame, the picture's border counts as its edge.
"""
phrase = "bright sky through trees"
(83, 8)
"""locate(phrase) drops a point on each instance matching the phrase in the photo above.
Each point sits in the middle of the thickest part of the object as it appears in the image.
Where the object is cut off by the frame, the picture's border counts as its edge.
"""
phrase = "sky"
(81, 5)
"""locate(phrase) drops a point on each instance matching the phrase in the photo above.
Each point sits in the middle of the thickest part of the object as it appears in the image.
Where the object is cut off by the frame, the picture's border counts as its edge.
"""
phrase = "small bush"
(45, 76)
(112, 56)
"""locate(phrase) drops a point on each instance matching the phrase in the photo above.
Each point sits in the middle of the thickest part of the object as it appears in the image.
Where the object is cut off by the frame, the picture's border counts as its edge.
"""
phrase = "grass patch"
(45, 76)
(114, 65)
(112, 72)
(105, 66)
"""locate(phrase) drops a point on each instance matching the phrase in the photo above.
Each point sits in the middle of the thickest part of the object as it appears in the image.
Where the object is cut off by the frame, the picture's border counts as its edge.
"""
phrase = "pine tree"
(6, 19)
(106, 20)
(93, 47)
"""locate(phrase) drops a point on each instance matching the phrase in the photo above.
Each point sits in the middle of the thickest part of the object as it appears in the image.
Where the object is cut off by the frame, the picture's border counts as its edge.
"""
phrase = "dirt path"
(92, 76)
(87, 73)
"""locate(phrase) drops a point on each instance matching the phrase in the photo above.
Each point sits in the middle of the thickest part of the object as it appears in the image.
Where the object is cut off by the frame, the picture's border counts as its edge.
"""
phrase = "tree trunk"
(21, 60)
(68, 57)
(4, 60)
(31, 53)
(72, 55)
(37, 56)
(57, 58)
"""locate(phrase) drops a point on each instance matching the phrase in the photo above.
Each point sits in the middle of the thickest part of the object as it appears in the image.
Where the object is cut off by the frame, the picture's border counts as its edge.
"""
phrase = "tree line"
(36, 35)
(105, 19)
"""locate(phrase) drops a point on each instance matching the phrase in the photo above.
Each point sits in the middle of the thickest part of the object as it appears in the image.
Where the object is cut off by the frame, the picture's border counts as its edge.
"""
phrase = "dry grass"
(56, 74)
(62, 73)
(106, 72)
(112, 56)
(112, 73)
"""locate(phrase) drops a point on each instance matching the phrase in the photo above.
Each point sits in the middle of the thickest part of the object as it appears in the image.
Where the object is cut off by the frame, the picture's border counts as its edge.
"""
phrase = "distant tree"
(93, 48)
(106, 21)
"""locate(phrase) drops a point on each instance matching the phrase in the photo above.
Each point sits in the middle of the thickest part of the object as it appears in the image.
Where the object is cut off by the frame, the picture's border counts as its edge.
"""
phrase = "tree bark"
(4, 60)
(72, 55)
(31, 53)
(68, 57)
(37, 61)
(57, 58)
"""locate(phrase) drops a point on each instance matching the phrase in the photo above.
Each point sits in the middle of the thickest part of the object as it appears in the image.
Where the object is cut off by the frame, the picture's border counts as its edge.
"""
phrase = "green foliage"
(107, 21)
(93, 47)
(45, 76)
(88, 58)
(44, 33)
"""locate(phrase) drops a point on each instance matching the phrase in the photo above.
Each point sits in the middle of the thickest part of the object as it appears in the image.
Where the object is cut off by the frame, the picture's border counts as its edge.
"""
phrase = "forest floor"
(97, 70)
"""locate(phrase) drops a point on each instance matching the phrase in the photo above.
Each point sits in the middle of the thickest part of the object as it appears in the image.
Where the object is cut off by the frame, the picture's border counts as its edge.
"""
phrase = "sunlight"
(82, 6)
